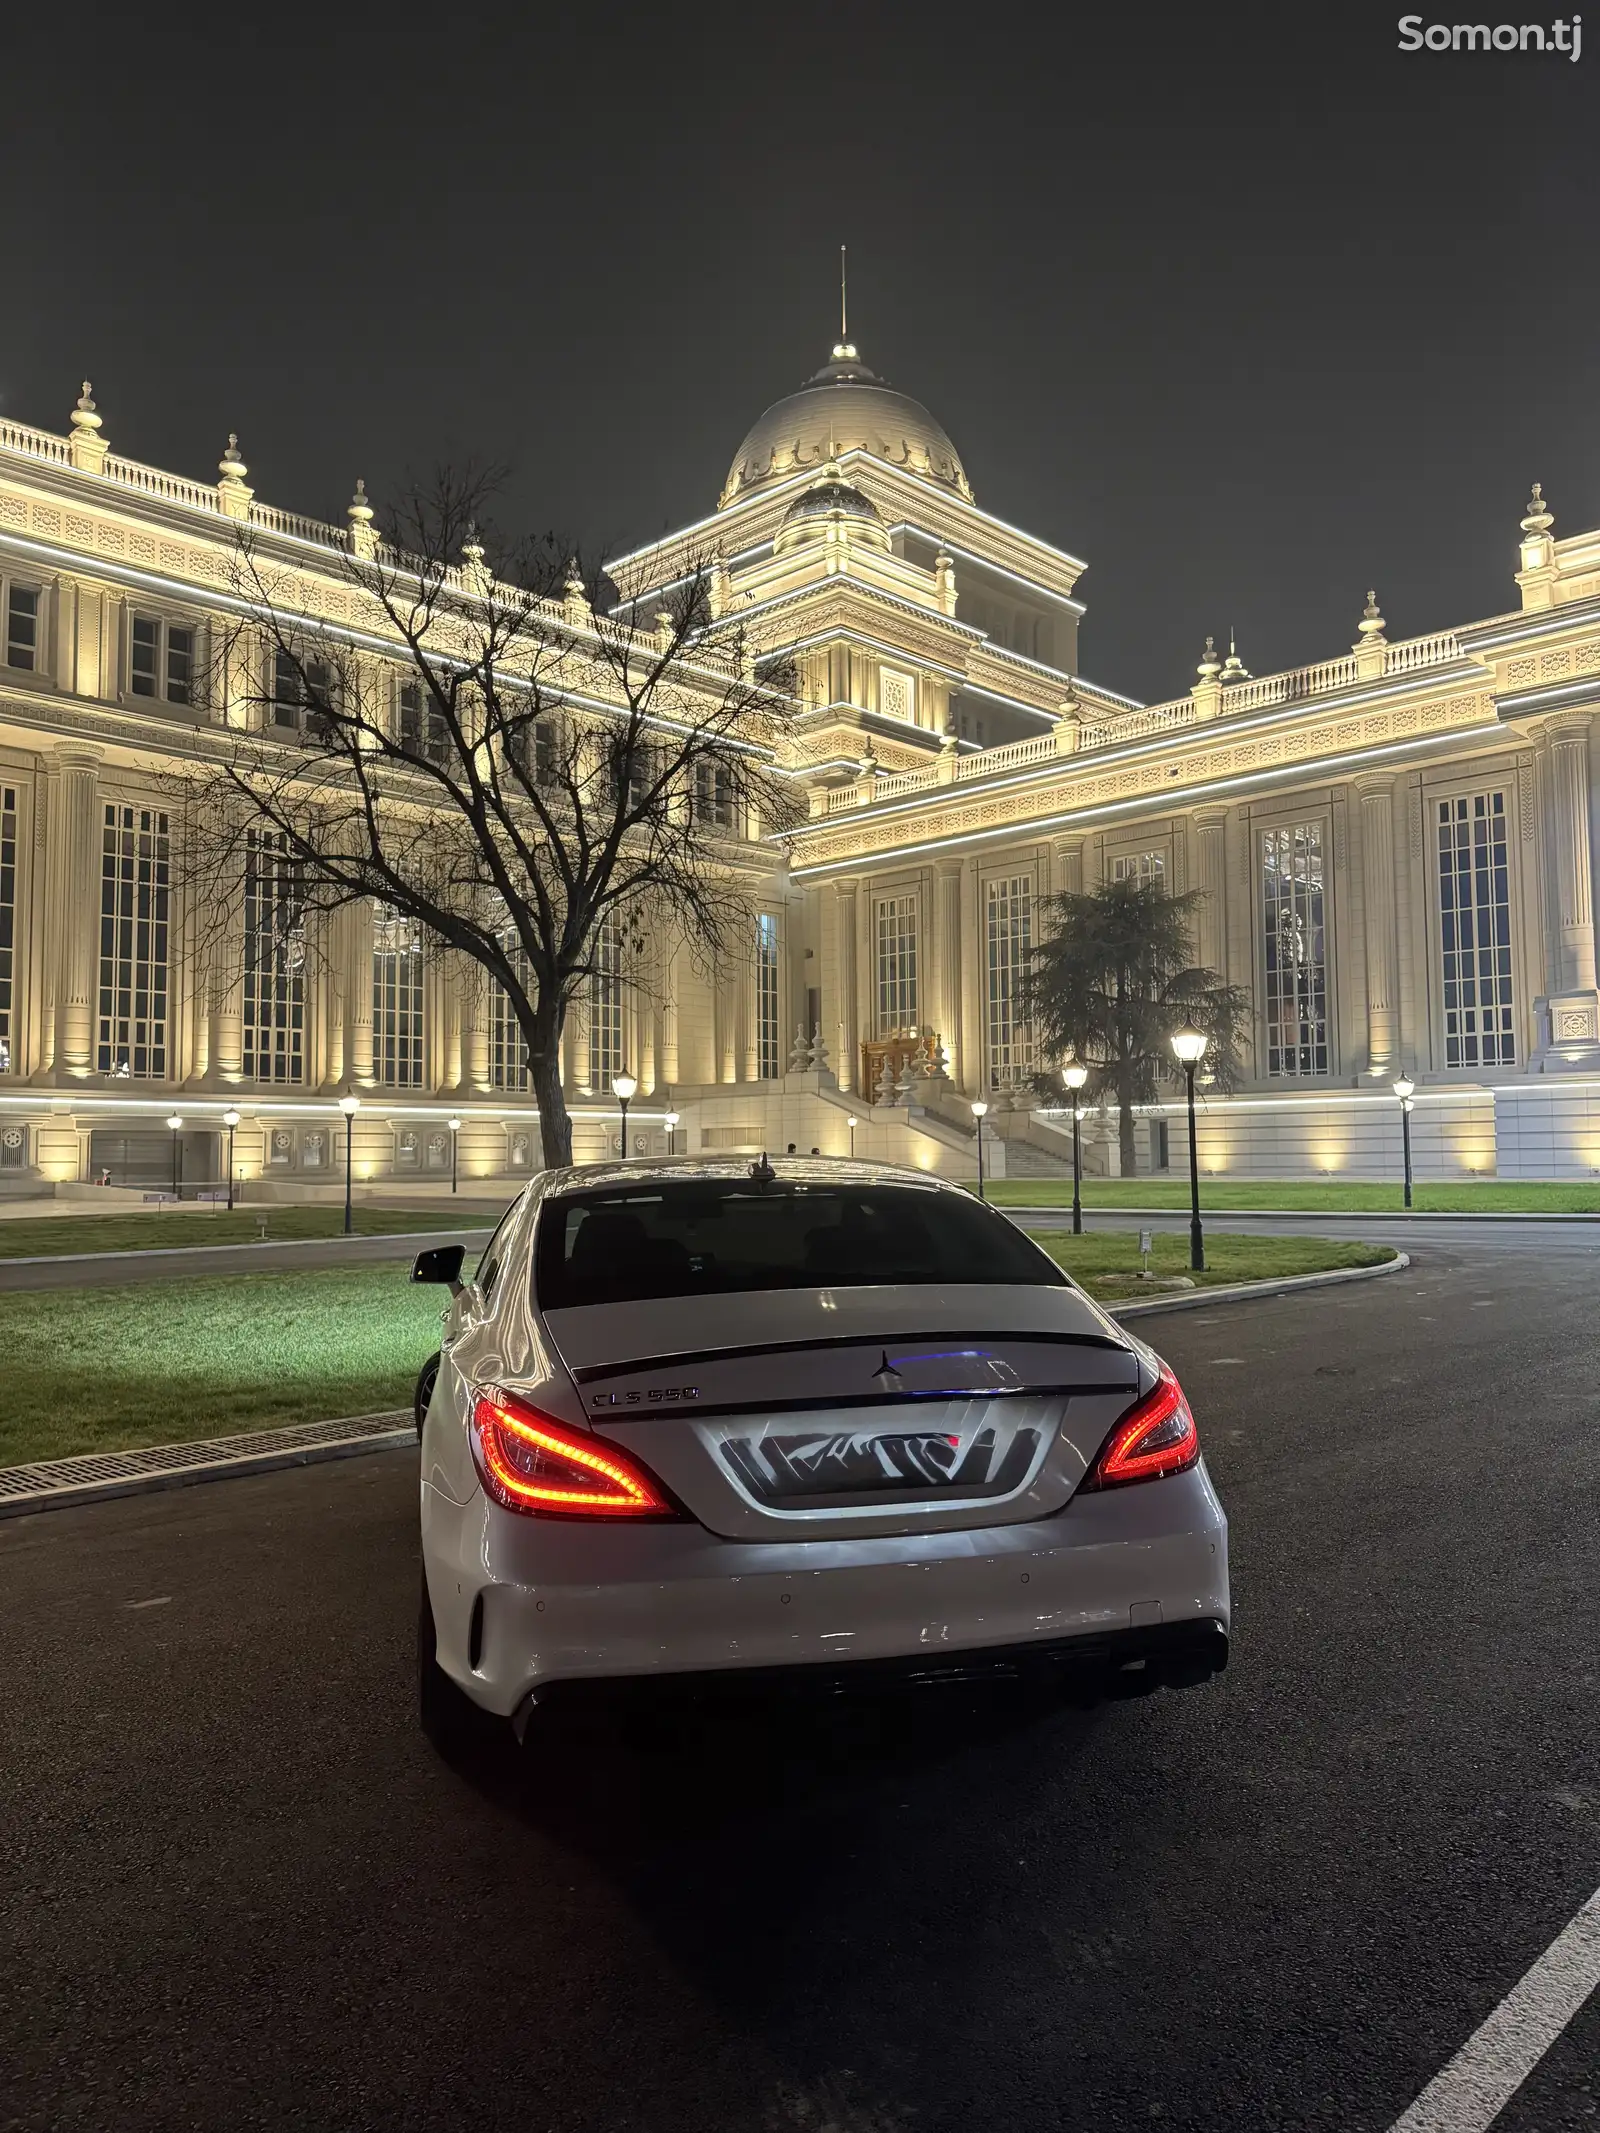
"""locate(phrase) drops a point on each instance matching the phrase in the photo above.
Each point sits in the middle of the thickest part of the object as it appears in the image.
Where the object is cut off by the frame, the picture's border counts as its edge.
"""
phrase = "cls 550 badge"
(652, 1396)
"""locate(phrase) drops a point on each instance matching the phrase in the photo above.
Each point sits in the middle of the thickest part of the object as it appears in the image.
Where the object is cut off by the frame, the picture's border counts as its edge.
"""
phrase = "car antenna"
(762, 1172)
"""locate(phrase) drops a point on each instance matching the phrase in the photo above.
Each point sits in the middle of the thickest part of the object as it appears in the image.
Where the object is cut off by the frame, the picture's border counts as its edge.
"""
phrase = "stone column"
(359, 1064)
(745, 979)
(670, 963)
(974, 1075)
(866, 973)
(847, 1029)
(225, 996)
(1569, 813)
(1211, 880)
(1378, 902)
(471, 995)
(1066, 864)
(79, 836)
(947, 956)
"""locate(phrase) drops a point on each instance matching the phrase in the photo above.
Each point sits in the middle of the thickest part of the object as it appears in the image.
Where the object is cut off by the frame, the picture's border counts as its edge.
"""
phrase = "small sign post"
(1146, 1247)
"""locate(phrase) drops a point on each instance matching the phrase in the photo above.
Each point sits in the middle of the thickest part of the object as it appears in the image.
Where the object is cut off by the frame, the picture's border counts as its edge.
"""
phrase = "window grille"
(423, 728)
(135, 888)
(605, 1007)
(1296, 962)
(769, 1017)
(21, 614)
(897, 964)
(396, 999)
(508, 1051)
(1010, 952)
(162, 660)
(1139, 866)
(1475, 931)
(274, 963)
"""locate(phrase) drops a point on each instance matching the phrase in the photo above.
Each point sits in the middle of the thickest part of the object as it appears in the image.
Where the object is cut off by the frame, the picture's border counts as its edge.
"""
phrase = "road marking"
(165, 1600)
(1224, 1358)
(1492, 2065)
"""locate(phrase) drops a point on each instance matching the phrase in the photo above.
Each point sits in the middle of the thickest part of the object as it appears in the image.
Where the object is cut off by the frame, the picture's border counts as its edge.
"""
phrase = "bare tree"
(490, 749)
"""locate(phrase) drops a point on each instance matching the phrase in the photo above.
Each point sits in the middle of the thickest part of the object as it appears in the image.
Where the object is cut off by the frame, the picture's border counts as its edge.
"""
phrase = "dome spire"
(844, 350)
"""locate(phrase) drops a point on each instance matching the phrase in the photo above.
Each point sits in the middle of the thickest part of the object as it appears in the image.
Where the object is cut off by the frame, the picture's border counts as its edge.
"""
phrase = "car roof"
(734, 1169)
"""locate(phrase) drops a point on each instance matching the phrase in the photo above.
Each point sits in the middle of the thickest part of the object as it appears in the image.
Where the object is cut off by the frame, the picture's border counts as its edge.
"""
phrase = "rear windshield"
(718, 1237)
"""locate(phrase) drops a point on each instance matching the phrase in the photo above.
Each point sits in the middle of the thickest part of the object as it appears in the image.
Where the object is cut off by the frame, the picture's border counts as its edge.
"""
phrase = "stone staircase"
(1024, 1160)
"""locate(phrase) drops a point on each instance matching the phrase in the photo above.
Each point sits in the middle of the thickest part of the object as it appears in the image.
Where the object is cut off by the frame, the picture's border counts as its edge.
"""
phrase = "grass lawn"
(1489, 1198)
(1107, 1261)
(159, 1362)
(158, 1231)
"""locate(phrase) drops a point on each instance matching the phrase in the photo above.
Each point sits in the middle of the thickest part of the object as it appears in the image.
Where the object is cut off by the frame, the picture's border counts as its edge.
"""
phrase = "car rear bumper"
(523, 1606)
(1119, 1663)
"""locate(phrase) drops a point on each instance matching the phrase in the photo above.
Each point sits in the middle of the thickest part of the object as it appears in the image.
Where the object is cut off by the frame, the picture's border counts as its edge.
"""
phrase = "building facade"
(1395, 851)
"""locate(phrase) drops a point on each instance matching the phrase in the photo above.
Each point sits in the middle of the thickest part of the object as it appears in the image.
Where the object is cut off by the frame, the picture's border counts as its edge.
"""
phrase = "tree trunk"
(1125, 1144)
(544, 1070)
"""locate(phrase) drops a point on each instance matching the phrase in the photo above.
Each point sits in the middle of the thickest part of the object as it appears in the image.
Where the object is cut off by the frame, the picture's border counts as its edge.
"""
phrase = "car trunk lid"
(825, 1412)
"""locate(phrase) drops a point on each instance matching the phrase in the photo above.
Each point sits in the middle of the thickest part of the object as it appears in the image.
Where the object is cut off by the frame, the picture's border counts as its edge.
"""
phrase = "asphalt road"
(241, 1892)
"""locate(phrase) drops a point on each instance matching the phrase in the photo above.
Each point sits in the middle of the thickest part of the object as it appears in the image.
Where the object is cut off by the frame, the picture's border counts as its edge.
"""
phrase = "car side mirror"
(442, 1264)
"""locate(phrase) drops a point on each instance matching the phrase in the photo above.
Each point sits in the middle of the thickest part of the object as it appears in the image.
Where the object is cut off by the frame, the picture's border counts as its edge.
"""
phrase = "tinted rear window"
(708, 1237)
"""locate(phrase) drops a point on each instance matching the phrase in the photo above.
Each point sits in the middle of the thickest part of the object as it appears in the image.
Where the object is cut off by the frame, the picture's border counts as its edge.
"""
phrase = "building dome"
(832, 504)
(846, 407)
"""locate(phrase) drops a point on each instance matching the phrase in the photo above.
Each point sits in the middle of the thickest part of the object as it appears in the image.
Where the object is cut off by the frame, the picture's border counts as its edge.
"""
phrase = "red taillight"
(530, 1462)
(1157, 1437)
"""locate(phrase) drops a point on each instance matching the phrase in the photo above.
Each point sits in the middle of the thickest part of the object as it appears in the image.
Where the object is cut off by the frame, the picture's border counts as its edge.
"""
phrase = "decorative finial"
(1210, 664)
(359, 513)
(1370, 627)
(1233, 667)
(577, 600)
(233, 493)
(1540, 517)
(471, 546)
(86, 446)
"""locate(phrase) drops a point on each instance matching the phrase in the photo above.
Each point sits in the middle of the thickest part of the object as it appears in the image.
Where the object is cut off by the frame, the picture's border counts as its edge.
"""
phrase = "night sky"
(1248, 310)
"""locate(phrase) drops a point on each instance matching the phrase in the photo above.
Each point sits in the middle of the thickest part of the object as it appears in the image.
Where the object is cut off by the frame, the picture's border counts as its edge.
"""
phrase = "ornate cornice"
(1195, 758)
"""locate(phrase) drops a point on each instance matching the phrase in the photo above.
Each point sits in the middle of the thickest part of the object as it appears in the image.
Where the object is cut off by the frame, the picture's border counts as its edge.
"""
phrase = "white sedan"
(703, 1419)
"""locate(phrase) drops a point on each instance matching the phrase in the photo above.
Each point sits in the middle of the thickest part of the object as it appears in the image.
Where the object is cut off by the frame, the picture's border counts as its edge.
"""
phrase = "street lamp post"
(624, 1086)
(349, 1105)
(980, 1112)
(455, 1142)
(671, 1124)
(1403, 1088)
(852, 1122)
(231, 1120)
(1190, 1046)
(1075, 1074)
(176, 1123)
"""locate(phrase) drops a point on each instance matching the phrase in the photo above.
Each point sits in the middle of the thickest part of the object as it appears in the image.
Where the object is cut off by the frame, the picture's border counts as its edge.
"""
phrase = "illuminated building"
(1394, 849)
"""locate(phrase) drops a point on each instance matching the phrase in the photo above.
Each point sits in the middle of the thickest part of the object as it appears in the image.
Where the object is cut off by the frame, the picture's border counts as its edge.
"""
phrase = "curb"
(266, 1244)
(1240, 1292)
(1294, 1214)
(211, 1461)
